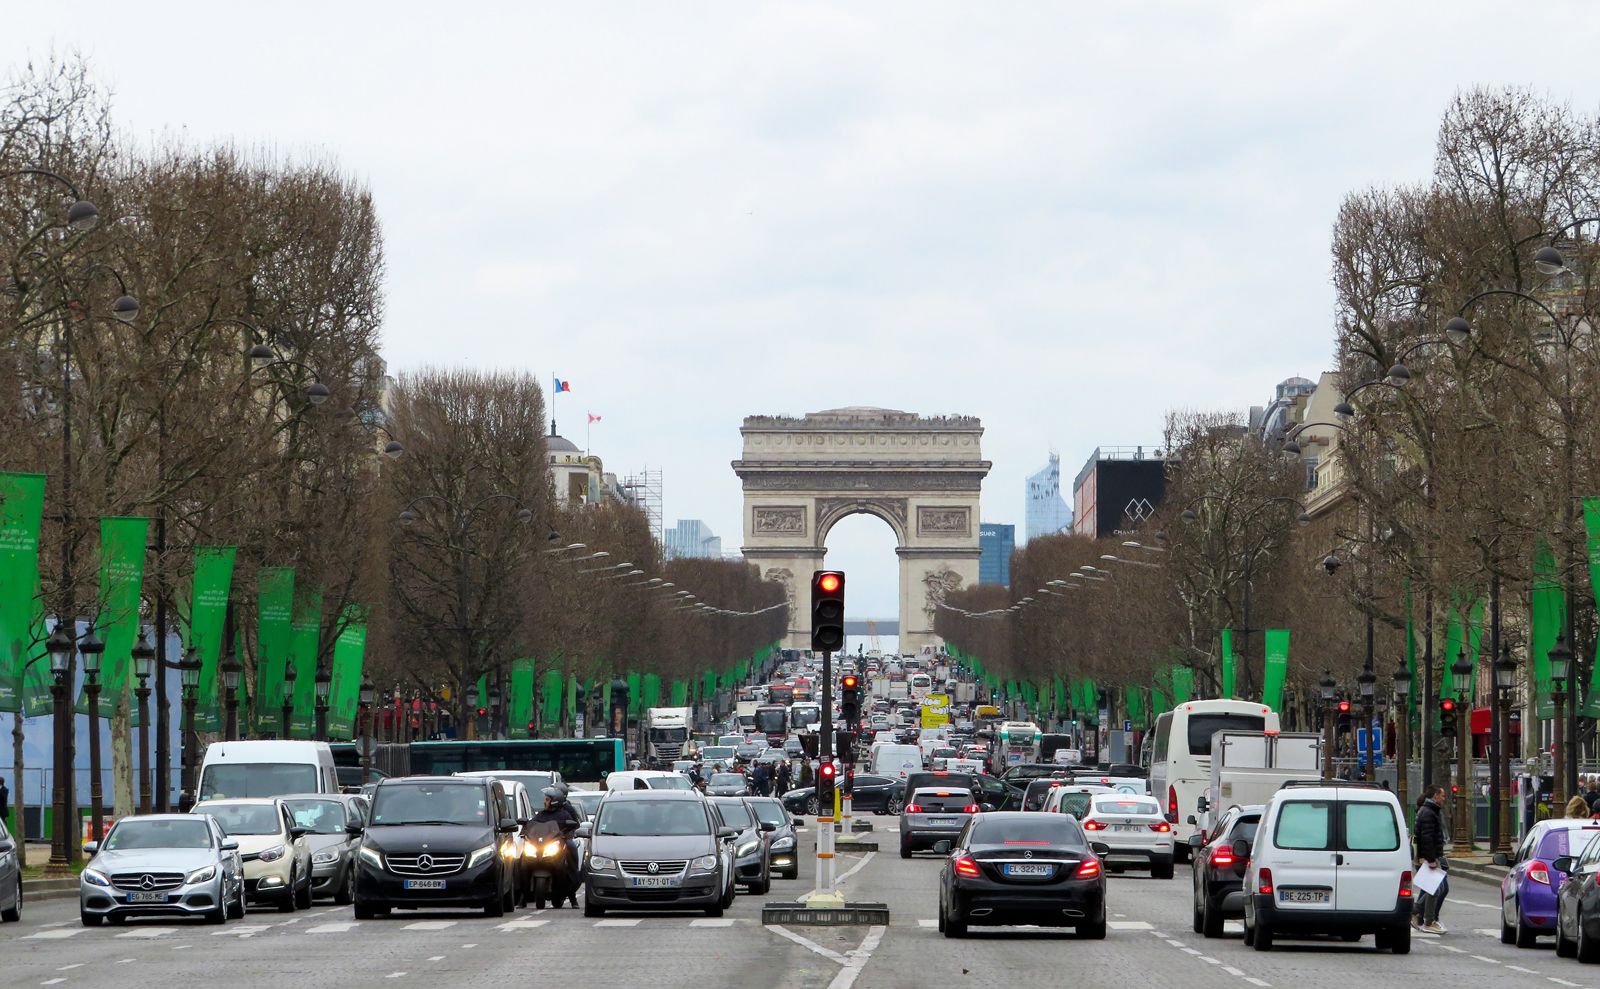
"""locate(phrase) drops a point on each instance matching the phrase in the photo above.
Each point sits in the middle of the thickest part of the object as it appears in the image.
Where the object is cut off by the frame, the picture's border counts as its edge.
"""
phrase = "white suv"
(1329, 859)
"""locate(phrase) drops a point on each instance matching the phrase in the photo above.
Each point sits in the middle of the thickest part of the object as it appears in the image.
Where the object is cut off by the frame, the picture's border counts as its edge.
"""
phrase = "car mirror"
(1501, 858)
(524, 821)
(1563, 864)
(1100, 847)
(1193, 819)
(942, 847)
(1201, 805)
(89, 847)
(768, 826)
(296, 834)
(230, 844)
(727, 834)
(798, 822)
(1195, 841)
(985, 808)
(508, 824)
(584, 830)
(1240, 849)
(353, 830)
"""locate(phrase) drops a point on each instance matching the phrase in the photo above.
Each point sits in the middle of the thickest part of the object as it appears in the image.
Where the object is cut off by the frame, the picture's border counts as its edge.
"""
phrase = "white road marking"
(1175, 944)
(858, 959)
(472, 945)
(1128, 925)
(124, 961)
(1519, 968)
(436, 958)
(520, 925)
(56, 923)
(57, 934)
(182, 947)
(1236, 973)
(855, 868)
(245, 931)
(1446, 947)
(807, 943)
(1119, 915)
(1188, 950)
(1481, 958)
(138, 932)
(925, 922)
(68, 968)
(1256, 982)
(1209, 960)
(335, 928)
(1562, 982)
(430, 925)
(711, 922)
(394, 975)
(51, 982)
(634, 922)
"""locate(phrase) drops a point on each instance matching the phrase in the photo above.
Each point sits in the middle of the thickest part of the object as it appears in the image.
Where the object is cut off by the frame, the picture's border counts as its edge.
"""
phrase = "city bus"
(1180, 755)
(780, 693)
(772, 720)
(1015, 742)
(802, 690)
(584, 762)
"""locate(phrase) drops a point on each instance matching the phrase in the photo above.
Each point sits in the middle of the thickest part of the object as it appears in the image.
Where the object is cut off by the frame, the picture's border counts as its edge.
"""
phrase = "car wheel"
(952, 926)
(1161, 870)
(1565, 948)
(13, 913)
(1527, 937)
(1263, 937)
(346, 892)
(90, 919)
(287, 904)
(715, 910)
(941, 915)
(1587, 951)
(1198, 921)
(116, 919)
(302, 897)
(1095, 930)
(1210, 920)
(236, 908)
(1399, 941)
(217, 916)
(590, 910)
(1180, 852)
(905, 849)
(1508, 934)
(496, 907)
(813, 808)
(892, 806)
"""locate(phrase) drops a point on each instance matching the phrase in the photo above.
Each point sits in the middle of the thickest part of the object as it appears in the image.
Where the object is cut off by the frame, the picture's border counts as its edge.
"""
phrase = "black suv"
(437, 841)
(1219, 870)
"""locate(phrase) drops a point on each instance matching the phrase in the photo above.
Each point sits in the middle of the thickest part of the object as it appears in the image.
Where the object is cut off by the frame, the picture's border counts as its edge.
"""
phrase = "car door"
(1301, 852)
(1370, 862)
(871, 793)
(1513, 877)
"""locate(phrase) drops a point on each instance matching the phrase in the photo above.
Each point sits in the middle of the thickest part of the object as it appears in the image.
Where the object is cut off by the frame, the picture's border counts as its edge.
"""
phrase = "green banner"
(635, 696)
(1549, 620)
(122, 552)
(274, 634)
(1411, 651)
(21, 615)
(208, 613)
(349, 654)
(679, 692)
(550, 703)
(1591, 524)
(1276, 668)
(1227, 662)
(652, 691)
(1182, 684)
(305, 640)
(520, 711)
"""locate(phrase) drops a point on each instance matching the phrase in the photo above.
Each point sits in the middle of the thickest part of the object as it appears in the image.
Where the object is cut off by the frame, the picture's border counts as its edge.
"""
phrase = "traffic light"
(1447, 715)
(827, 610)
(850, 698)
(827, 778)
(844, 746)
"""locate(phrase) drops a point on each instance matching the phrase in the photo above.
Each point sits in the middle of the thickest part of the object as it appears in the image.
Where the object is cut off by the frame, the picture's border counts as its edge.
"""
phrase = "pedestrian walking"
(1429, 834)
(5, 801)
(782, 780)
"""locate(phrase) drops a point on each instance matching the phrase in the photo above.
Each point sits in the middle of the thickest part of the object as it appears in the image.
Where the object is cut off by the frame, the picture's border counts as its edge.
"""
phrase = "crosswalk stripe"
(520, 925)
(430, 925)
(926, 922)
(1129, 925)
(634, 922)
(57, 934)
(711, 922)
(145, 932)
(336, 928)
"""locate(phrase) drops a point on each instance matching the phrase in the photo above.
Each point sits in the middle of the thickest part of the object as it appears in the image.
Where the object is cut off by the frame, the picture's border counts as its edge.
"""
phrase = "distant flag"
(593, 418)
(562, 386)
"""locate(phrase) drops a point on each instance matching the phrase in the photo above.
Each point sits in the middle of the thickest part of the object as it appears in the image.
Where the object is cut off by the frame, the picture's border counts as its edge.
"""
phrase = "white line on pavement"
(394, 975)
(57, 934)
(858, 959)
(1256, 982)
(436, 958)
(57, 923)
(1481, 958)
(124, 961)
(1210, 961)
(712, 922)
(336, 928)
(804, 942)
(633, 922)
(1236, 973)
(1562, 982)
(520, 925)
(926, 922)
(51, 982)
(1129, 925)
(854, 869)
(430, 925)
(138, 932)
(68, 968)
(182, 947)
(1519, 968)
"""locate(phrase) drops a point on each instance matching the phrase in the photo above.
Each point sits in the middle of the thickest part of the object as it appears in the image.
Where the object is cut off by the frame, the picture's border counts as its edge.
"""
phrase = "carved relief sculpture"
(938, 583)
(784, 576)
(944, 521)
(787, 519)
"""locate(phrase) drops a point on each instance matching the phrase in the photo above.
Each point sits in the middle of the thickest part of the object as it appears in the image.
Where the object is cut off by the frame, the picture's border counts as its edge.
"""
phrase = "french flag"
(562, 386)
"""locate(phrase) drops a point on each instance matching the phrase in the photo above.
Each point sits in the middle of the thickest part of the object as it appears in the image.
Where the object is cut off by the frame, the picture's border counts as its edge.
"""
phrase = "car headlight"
(327, 856)
(204, 875)
(371, 856)
(272, 854)
(745, 848)
(783, 844)
(481, 855)
(95, 877)
(705, 863)
(599, 863)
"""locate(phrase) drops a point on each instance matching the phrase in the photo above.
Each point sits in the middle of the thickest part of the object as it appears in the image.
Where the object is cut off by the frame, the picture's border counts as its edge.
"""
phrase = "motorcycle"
(549, 872)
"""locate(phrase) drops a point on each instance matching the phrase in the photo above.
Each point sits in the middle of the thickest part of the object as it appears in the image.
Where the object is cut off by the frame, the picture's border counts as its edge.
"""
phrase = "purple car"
(1528, 892)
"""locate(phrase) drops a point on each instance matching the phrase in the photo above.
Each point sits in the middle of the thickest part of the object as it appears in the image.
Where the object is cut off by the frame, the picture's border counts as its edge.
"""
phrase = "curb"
(1490, 874)
(49, 889)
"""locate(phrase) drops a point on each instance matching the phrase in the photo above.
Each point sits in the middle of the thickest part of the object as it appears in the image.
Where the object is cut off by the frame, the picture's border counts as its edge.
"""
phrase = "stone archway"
(920, 475)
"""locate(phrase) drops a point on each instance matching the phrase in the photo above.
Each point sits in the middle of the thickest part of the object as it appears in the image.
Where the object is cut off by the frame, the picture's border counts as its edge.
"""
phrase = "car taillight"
(1264, 882)
(1093, 826)
(1172, 805)
(966, 867)
(1539, 872)
(1088, 869)
(970, 809)
(1405, 885)
(1163, 827)
(1222, 856)
(913, 808)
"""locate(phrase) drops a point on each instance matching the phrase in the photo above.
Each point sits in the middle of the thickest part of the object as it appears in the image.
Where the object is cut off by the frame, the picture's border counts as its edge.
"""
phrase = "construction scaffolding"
(644, 488)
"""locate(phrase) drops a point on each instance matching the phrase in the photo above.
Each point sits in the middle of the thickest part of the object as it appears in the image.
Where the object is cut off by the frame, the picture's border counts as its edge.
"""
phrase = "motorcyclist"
(559, 811)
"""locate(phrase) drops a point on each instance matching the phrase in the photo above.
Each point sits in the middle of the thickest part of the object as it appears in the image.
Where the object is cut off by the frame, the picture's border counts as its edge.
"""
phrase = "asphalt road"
(1150, 945)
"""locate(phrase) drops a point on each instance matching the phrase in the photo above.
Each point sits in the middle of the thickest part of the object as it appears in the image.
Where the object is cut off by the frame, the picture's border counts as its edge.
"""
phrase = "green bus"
(582, 761)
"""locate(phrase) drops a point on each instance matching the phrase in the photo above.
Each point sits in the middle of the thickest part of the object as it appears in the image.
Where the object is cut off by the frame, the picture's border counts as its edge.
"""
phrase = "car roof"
(689, 795)
(256, 801)
(452, 780)
(158, 817)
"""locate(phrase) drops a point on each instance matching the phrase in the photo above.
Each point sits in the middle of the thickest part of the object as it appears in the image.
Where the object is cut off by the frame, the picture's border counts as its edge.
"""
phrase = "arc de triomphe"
(920, 475)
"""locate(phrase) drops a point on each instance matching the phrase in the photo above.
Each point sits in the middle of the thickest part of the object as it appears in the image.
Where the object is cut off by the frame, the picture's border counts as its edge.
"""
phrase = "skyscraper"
(995, 543)
(1047, 511)
(690, 538)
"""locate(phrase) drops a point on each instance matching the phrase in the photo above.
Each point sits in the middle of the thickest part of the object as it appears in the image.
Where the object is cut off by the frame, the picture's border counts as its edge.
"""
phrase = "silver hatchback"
(933, 814)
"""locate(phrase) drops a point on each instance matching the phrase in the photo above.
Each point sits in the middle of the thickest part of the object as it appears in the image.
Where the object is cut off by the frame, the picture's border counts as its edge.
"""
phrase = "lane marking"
(182, 947)
(520, 925)
(394, 975)
(436, 958)
(1481, 958)
(1129, 925)
(1209, 960)
(858, 958)
(711, 922)
(807, 943)
(139, 932)
(430, 925)
(68, 968)
(1236, 973)
(855, 868)
(925, 922)
(56, 923)
(1256, 982)
(245, 931)
(51, 982)
(1563, 982)
(124, 961)
(55, 935)
(335, 928)
(1519, 968)
(634, 922)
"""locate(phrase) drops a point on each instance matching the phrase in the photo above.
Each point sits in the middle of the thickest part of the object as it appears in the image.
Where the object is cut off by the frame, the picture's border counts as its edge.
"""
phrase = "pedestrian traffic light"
(827, 610)
(850, 698)
(1447, 714)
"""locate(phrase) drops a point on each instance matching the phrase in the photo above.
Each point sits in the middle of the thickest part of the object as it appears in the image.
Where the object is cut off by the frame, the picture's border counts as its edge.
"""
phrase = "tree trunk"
(18, 790)
(123, 767)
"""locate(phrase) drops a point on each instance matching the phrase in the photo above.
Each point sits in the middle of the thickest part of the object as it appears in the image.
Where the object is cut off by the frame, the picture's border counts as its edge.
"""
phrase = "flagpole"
(587, 430)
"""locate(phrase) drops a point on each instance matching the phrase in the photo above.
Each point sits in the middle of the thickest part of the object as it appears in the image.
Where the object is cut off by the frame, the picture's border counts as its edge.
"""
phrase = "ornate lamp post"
(144, 663)
(1560, 666)
(1505, 675)
(1461, 676)
(61, 648)
(472, 711)
(1366, 682)
(494, 712)
(364, 700)
(1326, 687)
(231, 668)
(92, 648)
(288, 701)
(189, 670)
(324, 683)
(1402, 718)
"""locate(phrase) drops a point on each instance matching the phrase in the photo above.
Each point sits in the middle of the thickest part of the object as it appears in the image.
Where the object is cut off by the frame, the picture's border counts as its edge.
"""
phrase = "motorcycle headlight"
(371, 856)
(204, 875)
(745, 848)
(327, 856)
(783, 844)
(705, 863)
(599, 863)
(95, 877)
(272, 854)
(552, 849)
(481, 855)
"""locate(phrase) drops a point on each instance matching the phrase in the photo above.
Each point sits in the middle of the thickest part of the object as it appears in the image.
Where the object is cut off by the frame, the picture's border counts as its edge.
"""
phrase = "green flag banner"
(550, 702)
(1227, 662)
(305, 641)
(1276, 668)
(21, 615)
(208, 613)
(122, 552)
(1591, 524)
(1182, 684)
(652, 691)
(520, 709)
(679, 692)
(1549, 620)
(349, 654)
(274, 632)
(635, 696)
(1411, 651)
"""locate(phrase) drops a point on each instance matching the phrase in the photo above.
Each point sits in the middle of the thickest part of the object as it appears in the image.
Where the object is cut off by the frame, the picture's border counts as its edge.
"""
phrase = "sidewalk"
(1476, 864)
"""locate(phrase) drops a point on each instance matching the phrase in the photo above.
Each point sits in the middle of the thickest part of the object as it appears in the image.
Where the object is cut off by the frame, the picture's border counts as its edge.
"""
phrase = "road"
(1150, 944)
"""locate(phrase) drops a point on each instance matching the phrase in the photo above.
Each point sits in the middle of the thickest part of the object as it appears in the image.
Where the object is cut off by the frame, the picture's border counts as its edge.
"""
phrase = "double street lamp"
(62, 849)
(324, 683)
(365, 699)
(1461, 678)
(1560, 667)
(1505, 675)
(1326, 689)
(231, 669)
(1366, 683)
(1402, 726)
(92, 648)
(189, 672)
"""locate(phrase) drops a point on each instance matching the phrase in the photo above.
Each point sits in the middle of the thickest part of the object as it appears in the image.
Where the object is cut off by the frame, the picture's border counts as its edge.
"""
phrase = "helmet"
(555, 795)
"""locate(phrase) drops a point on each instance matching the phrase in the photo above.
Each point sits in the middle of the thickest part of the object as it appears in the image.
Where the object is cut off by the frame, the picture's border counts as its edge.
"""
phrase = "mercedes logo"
(424, 863)
(147, 881)
(1027, 855)
(655, 867)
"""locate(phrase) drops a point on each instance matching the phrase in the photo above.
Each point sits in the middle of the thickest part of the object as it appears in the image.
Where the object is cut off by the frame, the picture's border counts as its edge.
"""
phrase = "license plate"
(1126, 828)
(1304, 895)
(424, 884)
(1027, 870)
(653, 882)
(143, 897)
(943, 822)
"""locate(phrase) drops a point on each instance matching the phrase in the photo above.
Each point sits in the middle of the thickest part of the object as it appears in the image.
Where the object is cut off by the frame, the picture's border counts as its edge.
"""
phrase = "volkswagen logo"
(147, 881)
(1027, 855)
(655, 867)
(424, 863)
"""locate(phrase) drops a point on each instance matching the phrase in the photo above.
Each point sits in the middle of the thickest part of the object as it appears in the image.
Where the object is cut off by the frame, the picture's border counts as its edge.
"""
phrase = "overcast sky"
(1065, 218)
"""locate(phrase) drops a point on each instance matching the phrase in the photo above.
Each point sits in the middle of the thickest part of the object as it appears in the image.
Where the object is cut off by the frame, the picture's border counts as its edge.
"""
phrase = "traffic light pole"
(825, 789)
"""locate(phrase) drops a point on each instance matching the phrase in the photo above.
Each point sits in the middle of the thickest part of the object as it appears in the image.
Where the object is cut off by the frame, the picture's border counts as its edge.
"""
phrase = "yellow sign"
(935, 710)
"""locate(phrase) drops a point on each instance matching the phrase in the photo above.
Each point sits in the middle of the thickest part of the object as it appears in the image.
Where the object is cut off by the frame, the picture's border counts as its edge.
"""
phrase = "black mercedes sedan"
(1013, 868)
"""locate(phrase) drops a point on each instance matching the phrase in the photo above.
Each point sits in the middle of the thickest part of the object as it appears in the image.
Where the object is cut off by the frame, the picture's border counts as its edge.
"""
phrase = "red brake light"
(1089, 869)
(1539, 872)
(966, 867)
(913, 808)
(1093, 826)
(1163, 827)
(1405, 885)
(1264, 884)
(1222, 856)
(1020, 841)
(970, 809)
(1172, 805)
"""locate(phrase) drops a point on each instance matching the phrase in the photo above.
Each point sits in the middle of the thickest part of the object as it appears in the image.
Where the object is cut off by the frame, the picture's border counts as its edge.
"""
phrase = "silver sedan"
(162, 865)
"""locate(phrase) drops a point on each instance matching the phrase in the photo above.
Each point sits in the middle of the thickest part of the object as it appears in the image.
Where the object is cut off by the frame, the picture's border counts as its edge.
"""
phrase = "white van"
(1180, 755)
(266, 768)
(647, 779)
(1329, 859)
(894, 761)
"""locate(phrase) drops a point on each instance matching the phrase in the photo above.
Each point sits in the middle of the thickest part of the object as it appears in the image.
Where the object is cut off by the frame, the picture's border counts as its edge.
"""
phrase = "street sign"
(935, 711)
(1377, 746)
(1127, 725)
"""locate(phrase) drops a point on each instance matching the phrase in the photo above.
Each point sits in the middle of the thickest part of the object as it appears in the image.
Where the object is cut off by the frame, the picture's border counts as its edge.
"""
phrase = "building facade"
(1047, 512)
(691, 539)
(1117, 490)
(995, 545)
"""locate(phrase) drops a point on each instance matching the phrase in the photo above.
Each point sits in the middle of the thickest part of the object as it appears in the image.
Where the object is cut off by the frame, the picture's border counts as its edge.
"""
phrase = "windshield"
(1125, 805)
(244, 818)
(256, 779)
(774, 719)
(318, 816)
(726, 779)
(673, 782)
(1050, 829)
(587, 801)
(1203, 726)
(642, 818)
(678, 734)
(735, 815)
(770, 812)
(430, 803)
(130, 836)
(717, 752)
(1075, 804)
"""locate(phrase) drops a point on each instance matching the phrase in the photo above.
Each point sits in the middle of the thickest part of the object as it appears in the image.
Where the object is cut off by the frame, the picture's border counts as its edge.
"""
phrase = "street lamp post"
(1366, 682)
(189, 670)
(61, 647)
(324, 683)
(1560, 665)
(144, 661)
(92, 648)
(1402, 717)
(1327, 686)
(1461, 676)
(231, 668)
(472, 711)
(1505, 674)
(364, 699)
(288, 700)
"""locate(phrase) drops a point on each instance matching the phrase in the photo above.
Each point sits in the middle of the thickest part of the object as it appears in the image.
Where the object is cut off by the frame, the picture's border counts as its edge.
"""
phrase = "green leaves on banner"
(208, 612)
(274, 634)
(1276, 668)
(22, 655)
(679, 692)
(550, 701)
(1227, 663)
(1182, 684)
(1591, 524)
(349, 654)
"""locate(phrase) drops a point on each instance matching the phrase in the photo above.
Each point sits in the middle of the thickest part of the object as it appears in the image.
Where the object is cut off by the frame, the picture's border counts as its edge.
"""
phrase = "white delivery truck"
(880, 687)
(965, 692)
(667, 733)
(1248, 767)
(744, 714)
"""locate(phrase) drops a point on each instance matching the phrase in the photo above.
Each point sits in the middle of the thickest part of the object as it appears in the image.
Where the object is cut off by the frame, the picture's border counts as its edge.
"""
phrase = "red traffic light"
(1344, 707)
(1447, 705)
(830, 582)
(849, 682)
(482, 711)
(827, 771)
